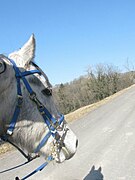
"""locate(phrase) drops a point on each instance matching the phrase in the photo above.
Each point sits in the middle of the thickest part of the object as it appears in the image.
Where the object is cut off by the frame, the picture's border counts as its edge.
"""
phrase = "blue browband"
(50, 121)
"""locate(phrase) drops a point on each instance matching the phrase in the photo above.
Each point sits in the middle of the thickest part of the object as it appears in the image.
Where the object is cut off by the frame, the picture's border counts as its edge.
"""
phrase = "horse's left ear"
(26, 54)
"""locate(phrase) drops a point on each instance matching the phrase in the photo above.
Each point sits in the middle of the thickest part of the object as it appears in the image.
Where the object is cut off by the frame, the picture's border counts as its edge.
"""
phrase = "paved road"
(106, 147)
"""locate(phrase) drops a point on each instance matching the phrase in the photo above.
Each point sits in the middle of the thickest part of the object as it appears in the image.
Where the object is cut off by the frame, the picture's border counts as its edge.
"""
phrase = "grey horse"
(30, 127)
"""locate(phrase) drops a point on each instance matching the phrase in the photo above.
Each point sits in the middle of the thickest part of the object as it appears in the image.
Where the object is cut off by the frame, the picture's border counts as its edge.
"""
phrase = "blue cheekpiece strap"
(13, 121)
(19, 75)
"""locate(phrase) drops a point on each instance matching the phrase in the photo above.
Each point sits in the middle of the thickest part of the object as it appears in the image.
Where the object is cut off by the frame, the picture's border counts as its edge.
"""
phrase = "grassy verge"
(86, 109)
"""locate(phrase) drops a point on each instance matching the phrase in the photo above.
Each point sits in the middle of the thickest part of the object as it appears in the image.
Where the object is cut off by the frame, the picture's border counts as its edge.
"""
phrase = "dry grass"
(5, 147)
(74, 115)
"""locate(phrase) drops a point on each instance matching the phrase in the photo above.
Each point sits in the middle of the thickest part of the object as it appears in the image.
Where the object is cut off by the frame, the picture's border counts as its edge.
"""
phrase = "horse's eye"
(2, 67)
(47, 91)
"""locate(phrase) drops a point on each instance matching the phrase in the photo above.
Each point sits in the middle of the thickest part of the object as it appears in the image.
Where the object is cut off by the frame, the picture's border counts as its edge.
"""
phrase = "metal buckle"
(19, 101)
(9, 132)
(33, 96)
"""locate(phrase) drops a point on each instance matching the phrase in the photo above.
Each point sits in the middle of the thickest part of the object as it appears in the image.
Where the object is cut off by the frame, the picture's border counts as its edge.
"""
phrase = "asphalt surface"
(106, 147)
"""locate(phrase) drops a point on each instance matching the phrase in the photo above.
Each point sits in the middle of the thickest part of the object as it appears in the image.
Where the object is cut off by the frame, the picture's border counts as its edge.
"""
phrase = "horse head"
(94, 174)
(31, 127)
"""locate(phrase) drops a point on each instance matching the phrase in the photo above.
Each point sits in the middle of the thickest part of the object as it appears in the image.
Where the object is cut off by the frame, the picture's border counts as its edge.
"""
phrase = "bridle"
(52, 123)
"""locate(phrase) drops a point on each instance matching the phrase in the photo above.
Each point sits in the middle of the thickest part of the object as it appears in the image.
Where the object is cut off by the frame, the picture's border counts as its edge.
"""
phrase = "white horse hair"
(30, 127)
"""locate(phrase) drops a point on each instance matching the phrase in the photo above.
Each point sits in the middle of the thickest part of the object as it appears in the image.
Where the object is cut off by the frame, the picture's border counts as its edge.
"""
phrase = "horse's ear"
(100, 169)
(26, 54)
(93, 168)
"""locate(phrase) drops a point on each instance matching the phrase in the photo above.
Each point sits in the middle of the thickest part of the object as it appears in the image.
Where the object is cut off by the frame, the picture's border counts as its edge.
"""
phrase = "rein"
(49, 120)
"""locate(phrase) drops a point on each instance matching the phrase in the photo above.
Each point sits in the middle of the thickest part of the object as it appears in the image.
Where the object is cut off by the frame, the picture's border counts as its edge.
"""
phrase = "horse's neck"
(8, 100)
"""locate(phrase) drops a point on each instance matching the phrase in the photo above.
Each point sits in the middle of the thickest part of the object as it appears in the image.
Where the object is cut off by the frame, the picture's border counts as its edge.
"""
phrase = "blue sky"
(71, 35)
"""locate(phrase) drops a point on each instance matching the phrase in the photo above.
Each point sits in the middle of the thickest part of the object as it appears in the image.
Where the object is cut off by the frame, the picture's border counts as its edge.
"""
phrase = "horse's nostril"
(76, 143)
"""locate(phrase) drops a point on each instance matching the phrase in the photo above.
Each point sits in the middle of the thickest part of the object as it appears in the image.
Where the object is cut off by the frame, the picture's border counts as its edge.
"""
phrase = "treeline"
(99, 83)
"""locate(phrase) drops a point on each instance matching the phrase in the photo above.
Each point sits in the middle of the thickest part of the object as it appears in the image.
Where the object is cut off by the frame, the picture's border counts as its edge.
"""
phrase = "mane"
(3, 56)
(37, 79)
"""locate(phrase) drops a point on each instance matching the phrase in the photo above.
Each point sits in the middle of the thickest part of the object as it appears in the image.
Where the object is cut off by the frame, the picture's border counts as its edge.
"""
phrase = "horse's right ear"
(26, 54)
(100, 169)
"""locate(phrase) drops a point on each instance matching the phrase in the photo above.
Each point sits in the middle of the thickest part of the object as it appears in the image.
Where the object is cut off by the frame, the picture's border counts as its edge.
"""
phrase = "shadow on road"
(94, 174)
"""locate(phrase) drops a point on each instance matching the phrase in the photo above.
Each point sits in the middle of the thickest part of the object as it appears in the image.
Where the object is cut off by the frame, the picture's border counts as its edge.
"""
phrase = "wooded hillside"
(99, 83)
